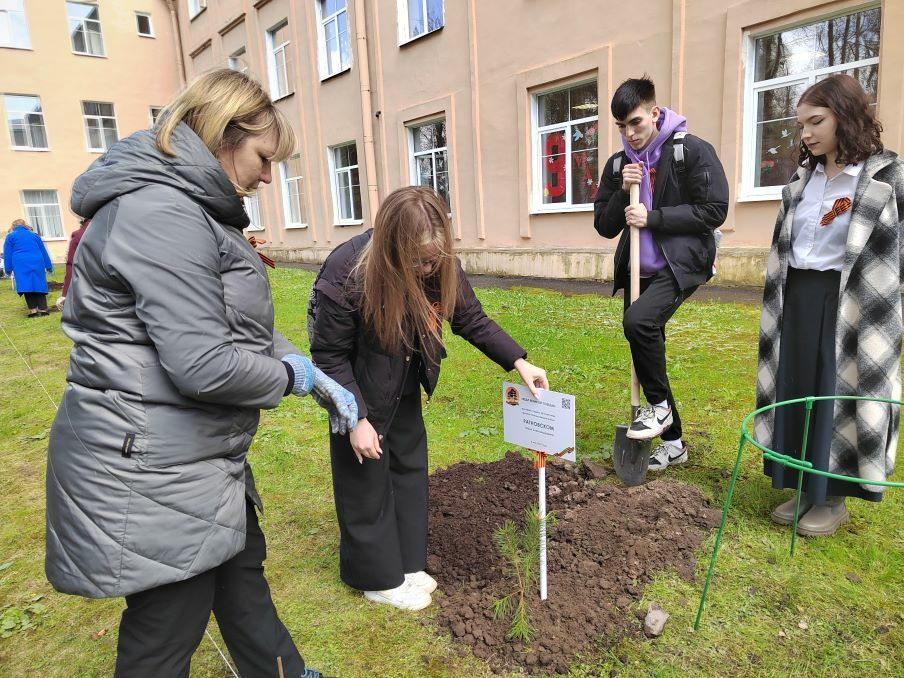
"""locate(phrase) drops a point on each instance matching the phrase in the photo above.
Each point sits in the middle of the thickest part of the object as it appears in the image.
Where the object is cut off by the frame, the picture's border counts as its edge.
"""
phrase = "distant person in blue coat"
(26, 257)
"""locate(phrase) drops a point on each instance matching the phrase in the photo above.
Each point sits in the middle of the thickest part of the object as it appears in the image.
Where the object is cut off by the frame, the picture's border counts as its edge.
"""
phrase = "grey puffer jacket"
(172, 319)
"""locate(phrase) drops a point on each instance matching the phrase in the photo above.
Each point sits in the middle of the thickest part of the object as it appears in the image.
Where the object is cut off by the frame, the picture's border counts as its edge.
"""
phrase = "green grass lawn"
(832, 610)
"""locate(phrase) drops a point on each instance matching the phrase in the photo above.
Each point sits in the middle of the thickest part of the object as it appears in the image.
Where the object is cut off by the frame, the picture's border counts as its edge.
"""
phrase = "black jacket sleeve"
(610, 203)
(707, 190)
(333, 345)
(472, 324)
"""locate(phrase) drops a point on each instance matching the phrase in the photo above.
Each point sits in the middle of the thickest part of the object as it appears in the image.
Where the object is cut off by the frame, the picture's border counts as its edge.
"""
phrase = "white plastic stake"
(542, 483)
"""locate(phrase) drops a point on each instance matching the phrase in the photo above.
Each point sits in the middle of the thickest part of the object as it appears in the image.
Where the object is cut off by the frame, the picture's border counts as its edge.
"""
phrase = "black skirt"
(806, 367)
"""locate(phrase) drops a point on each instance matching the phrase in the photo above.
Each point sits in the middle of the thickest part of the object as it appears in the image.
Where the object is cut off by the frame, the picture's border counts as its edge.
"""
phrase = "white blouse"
(820, 227)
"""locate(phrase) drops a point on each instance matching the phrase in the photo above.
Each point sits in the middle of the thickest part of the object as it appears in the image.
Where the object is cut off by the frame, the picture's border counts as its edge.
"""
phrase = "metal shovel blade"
(631, 458)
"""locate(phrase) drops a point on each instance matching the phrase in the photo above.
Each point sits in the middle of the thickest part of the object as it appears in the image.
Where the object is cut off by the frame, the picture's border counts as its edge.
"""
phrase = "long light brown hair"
(400, 301)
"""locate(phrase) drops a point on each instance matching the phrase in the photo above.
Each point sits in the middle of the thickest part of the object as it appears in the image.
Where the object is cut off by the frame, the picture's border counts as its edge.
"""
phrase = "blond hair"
(395, 301)
(19, 222)
(225, 107)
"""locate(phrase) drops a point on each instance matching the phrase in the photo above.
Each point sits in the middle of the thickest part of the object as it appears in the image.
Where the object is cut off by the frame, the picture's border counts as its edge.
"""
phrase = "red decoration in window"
(555, 175)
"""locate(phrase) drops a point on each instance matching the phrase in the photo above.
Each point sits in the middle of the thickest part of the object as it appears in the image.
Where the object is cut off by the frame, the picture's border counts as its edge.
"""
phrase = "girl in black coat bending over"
(380, 301)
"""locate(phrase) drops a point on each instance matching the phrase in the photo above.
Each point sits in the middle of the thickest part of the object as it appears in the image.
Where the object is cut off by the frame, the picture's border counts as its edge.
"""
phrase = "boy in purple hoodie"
(683, 199)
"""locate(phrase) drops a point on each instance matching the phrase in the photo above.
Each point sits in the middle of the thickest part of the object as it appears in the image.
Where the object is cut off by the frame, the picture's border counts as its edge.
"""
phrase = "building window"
(84, 28)
(782, 65)
(419, 17)
(280, 61)
(565, 140)
(430, 158)
(253, 210)
(26, 122)
(346, 188)
(13, 26)
(195, 7)
(42, 210)
(100, 125)
(293, 196)
(335, 46)
(236, 61)
(145, 27)
(155, 114)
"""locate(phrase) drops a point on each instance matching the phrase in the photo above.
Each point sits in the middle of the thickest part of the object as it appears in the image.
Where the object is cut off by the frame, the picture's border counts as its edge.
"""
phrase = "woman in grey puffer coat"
(149, 495)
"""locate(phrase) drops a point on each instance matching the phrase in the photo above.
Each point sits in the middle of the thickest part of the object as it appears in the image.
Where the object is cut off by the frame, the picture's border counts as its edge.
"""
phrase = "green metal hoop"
(798, 464)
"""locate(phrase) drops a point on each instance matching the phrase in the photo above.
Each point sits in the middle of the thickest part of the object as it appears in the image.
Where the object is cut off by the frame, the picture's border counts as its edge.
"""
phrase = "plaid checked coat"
(869, 328)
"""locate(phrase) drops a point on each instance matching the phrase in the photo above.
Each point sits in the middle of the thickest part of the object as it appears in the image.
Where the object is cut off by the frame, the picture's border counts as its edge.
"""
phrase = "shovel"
(631, 458)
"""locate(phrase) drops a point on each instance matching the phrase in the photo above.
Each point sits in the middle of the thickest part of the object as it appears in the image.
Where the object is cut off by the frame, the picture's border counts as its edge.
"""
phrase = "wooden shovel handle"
(635, 288)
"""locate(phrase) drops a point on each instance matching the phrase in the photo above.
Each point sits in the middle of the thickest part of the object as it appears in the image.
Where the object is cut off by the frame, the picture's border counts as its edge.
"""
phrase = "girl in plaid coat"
(831, 318)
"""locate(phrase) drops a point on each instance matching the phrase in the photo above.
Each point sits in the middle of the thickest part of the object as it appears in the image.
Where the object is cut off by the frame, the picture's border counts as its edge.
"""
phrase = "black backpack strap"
(314, 304)
(678, 153)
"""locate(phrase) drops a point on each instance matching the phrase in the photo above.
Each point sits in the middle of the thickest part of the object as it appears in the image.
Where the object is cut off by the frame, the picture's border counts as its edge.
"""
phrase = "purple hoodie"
(651, 258)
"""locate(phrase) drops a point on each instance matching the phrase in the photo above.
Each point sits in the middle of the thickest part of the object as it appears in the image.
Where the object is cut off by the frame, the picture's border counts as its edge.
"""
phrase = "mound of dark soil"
(609, 542)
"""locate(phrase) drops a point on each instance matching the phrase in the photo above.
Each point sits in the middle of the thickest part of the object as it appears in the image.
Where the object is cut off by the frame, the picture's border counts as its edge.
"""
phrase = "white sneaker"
(404, 597)
(666, 455)
(651, 421)
(422, 580)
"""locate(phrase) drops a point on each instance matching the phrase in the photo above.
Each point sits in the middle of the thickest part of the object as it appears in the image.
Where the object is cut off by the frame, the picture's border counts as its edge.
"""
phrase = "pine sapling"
(521, 551)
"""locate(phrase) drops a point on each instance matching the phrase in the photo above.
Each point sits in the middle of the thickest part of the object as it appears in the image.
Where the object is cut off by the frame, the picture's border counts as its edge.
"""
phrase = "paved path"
(708, 292)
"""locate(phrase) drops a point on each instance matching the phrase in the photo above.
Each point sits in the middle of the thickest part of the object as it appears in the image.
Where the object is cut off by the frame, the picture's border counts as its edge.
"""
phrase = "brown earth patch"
(609, 542)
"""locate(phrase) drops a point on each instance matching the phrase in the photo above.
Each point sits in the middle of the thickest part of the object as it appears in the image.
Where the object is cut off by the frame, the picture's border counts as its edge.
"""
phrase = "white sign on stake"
(545, 426)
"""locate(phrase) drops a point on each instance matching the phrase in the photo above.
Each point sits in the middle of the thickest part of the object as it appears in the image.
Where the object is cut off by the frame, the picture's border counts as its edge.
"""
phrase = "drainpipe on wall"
(370, 156)
(177, 38)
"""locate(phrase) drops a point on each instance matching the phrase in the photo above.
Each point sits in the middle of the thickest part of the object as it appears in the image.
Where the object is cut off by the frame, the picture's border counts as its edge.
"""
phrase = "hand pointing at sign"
(533, 377)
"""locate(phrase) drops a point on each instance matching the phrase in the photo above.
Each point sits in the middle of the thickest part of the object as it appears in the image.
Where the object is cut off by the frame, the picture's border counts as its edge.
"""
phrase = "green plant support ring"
(798, 464)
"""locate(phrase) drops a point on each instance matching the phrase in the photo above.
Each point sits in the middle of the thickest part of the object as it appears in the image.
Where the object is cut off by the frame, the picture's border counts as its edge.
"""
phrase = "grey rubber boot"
(823, 521)
(783, 514)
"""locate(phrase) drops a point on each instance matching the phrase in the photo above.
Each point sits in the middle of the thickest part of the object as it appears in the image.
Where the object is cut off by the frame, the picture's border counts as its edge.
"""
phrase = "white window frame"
(287, 182)
(749, 192)
(324, 22)
(28, 132)
(146, 15)
(253, 210)
(43, 207)
(83, 22)
(195, 7)
(537, 206)
(413, 155)
(402, 16)
(8, 8)
(151, 116)
(99, 118)
(335, 171)
(272, 50)
(237, 60)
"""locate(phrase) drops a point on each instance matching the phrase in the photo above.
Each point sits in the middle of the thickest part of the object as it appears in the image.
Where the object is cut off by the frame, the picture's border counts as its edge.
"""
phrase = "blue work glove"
(337, 401)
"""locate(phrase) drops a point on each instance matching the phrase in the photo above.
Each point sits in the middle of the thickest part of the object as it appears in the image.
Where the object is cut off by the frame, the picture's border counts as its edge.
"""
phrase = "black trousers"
(644, 325)
(806, 367)
(35, 300)
(382, 504)
(162, 627)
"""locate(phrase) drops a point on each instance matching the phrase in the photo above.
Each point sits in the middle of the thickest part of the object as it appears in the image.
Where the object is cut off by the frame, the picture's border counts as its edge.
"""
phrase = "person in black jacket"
(683, 199)
(381, 299)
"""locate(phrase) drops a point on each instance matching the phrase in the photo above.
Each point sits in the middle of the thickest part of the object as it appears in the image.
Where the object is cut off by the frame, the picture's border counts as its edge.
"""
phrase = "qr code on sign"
(566, 404)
